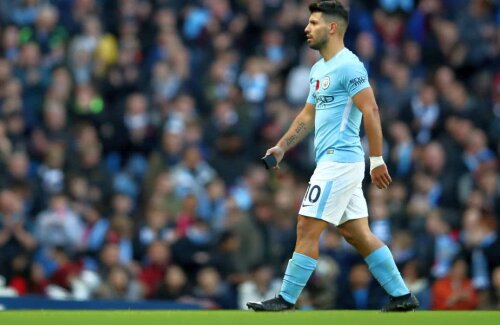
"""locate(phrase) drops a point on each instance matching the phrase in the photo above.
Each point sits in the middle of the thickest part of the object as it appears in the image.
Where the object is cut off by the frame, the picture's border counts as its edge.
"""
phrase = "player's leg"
(304, 259)
(380, 263)
(357, 233)
(299, 268)
(323, 203)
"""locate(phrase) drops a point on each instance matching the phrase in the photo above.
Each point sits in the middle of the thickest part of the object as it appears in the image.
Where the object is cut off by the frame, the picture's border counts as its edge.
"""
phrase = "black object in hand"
(269, 161)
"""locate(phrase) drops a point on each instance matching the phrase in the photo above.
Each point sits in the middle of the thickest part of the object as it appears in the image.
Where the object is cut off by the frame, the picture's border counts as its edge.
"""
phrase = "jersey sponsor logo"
(325, 83)
(323, 99)
(357, 81)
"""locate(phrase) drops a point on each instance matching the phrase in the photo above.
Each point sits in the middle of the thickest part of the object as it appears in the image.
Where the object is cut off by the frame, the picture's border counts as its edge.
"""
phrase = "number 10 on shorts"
(315, 199)
(313, 193)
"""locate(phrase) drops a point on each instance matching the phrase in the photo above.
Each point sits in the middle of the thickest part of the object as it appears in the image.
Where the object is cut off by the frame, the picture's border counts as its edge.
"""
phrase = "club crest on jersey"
(325, 83)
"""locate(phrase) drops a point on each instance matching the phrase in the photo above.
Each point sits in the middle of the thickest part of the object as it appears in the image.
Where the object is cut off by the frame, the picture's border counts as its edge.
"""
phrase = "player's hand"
(380, 176)
(278, 153)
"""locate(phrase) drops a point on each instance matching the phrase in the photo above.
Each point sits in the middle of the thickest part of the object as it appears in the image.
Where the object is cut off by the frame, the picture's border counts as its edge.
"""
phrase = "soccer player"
(339, 96)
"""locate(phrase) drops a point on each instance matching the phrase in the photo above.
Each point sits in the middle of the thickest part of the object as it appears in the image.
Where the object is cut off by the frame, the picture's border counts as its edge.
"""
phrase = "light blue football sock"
(381, 264)
(297, 273)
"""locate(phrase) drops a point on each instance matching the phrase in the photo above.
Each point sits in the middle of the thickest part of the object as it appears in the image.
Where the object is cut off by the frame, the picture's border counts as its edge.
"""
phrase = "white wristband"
(375, 162)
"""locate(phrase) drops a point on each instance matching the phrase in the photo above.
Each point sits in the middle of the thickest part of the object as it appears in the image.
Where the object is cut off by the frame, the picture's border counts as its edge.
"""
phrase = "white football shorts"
(334, 193)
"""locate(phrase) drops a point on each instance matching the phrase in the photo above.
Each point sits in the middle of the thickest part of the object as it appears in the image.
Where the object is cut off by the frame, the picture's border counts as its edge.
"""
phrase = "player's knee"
(348, 236)
(302, 229)
(307, 230)
(356, 239)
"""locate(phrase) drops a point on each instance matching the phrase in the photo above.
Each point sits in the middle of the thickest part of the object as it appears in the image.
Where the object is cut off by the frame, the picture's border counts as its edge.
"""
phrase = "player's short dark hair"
(330, 7)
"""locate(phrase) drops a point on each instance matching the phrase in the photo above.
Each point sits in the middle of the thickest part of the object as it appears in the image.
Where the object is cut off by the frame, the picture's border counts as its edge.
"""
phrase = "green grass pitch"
(338, 317)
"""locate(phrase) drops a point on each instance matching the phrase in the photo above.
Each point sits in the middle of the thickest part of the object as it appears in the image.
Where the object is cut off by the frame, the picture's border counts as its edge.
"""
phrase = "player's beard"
(319, 42)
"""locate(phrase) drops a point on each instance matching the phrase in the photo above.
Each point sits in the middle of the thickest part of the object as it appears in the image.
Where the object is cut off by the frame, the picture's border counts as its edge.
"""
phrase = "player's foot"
(274, 304)
(407, 302)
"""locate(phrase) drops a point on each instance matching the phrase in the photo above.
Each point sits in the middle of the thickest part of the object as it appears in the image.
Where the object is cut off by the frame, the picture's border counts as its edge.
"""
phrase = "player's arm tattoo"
(290, 140)
(301, 126)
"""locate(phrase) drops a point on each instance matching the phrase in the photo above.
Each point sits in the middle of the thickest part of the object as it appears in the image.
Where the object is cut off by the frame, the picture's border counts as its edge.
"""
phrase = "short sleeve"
(355, 78)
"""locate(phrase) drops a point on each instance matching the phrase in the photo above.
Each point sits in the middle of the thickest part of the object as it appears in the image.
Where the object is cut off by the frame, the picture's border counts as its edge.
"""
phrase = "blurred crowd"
(131, 130)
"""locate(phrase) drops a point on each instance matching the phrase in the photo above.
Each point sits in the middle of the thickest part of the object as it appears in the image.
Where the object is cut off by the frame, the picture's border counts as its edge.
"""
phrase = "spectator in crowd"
(192, 251)
(494, 299)
(262, 284)
(455, 290)
(192, 173)
(323, 290)
(440, 247)
(154, 267)
(175, 286)
(94, 233)
(481, 245)
(68, 268)
(119, 284)
(16, 240)
(226, 259)
(417, 283)
(211, 291)
(423, 114)
(360, 292)
(156, 228)
(58, 225)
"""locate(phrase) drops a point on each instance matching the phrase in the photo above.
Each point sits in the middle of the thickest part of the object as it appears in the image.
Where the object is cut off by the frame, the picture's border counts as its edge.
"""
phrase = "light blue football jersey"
(332, 85)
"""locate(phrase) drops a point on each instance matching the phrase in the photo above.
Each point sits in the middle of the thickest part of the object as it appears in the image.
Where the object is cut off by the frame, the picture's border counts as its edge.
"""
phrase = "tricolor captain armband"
(375, 162)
